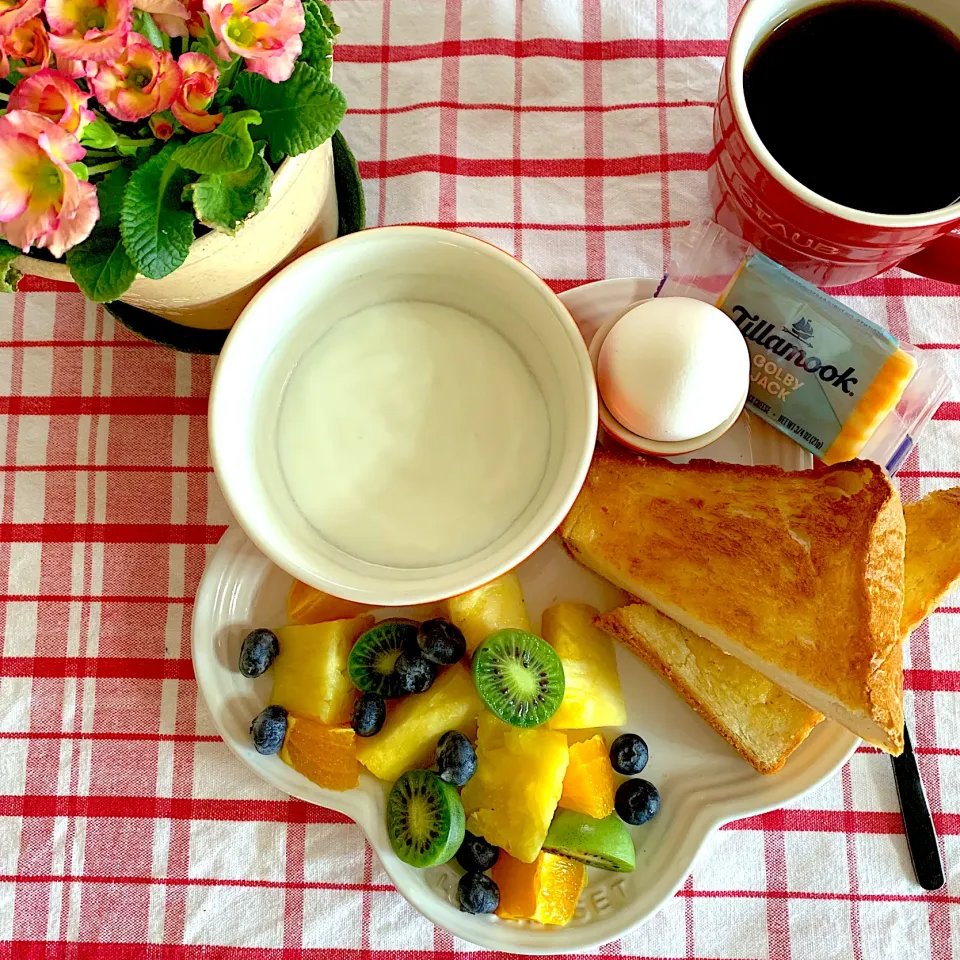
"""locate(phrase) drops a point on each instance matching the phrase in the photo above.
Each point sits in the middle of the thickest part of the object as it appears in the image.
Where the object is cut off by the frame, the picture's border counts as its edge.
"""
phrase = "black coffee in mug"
(860, 101)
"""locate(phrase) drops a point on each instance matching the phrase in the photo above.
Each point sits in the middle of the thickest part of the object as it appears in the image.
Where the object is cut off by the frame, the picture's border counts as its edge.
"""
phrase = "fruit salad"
(484, 731)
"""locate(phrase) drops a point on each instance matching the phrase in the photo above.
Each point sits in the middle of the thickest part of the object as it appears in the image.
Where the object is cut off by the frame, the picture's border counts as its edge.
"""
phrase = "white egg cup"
(636, 442)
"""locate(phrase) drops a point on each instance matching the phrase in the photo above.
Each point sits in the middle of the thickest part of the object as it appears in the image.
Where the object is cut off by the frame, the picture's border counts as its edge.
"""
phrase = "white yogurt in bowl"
(439, 432)
(401, 415)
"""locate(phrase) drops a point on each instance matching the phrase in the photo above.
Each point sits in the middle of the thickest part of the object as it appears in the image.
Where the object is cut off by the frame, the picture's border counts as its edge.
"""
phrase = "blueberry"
(628, 754)
(369, 712)
(475, 854)
(456, 758)
(637, 801)
(440, 641)
(259, 650)
(268, 729)
(477, 893)
(414, 673)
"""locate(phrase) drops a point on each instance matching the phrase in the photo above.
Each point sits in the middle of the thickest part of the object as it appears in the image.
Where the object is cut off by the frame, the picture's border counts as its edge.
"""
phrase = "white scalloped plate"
(703, 783)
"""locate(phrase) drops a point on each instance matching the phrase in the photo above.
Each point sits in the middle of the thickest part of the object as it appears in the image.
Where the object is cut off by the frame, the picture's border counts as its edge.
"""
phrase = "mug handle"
(939, 261)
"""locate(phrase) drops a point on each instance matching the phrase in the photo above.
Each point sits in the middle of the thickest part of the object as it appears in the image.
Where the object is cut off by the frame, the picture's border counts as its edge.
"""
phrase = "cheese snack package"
(831, 380)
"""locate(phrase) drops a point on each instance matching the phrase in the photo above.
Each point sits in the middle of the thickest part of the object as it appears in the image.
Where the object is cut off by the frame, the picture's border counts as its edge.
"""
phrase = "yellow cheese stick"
(877, 401)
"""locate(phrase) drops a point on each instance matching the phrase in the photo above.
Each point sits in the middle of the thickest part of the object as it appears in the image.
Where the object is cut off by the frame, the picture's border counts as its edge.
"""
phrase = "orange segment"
(588, 784)
(518, 883)
(546, 890)
(325, 755)
(306, 604)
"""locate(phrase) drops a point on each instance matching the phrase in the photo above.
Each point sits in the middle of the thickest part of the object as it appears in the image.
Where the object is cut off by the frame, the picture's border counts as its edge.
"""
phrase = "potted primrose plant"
(168, 154)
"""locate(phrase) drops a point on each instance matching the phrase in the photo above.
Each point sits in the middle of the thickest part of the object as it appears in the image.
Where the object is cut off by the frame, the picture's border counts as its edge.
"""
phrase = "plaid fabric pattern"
(576, 135)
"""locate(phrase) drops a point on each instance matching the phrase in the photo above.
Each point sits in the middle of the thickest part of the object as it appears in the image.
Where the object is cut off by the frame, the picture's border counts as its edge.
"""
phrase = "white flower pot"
(221, 273)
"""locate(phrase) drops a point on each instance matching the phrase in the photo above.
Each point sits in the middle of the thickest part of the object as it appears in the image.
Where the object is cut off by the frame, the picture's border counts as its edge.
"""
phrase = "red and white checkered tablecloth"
(575, 134)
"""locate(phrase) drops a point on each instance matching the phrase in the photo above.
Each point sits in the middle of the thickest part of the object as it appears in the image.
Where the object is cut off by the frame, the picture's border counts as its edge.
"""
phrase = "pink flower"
(74, 69)
(55, 97)
(15, 12)
(161, 127)
(195, 25)
(140, 81)
(42, 203)
(88, 29)
(169, 15)
(265, 32)
(200, 78)
(27, 44)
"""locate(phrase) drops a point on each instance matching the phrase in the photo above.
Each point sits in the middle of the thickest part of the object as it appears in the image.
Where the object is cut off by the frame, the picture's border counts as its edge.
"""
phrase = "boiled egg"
(673, 368)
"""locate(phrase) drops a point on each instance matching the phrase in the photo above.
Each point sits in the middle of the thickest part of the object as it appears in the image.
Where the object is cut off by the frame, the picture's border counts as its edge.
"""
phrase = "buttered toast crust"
(799, 575)
(932, 562)
(762, 722)
(731, 697)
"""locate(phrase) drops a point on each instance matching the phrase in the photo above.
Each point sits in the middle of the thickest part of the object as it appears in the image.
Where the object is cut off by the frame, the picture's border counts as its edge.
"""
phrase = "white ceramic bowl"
(332, 283)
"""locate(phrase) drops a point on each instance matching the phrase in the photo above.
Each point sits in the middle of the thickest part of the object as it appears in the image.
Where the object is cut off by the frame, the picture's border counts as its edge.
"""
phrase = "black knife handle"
(917, 821)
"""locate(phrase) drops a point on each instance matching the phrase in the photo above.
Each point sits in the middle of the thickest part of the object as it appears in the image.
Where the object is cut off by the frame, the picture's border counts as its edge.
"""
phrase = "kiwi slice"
(374, 656)
(598, 843)
(519, 677)
(425, 819)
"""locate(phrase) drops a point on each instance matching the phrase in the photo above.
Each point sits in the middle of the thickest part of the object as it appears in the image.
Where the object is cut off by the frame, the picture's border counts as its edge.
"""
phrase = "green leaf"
(226, 149)
(202, 45)
(220, 100)
(228, 72)
(317, 39)
(98, 135)
(350, 202)
(9, 274)
(80, 170)
(128, 146)
(147, 27)
(110, 191)
(326, 14)
(298, 114)
(156, 227)
(224, 92)
(224, 201)
(10, 278)
(100, 266)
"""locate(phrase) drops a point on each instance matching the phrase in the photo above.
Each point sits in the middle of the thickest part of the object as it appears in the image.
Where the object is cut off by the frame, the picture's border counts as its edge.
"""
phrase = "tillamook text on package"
(819, 372)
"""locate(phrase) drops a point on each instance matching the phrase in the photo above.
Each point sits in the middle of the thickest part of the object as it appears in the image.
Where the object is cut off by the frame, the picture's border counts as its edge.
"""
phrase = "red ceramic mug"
(823, 241)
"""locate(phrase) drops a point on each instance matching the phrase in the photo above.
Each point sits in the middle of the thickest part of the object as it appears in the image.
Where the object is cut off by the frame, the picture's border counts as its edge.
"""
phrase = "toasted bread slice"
(762, 721)
(932, 561)
(799, 575)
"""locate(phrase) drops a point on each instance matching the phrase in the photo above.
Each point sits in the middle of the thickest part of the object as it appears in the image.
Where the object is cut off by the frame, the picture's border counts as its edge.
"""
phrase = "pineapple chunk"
(494, 606)
(414, 725)
(512, 797)
(592, 697)
(310, 673)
